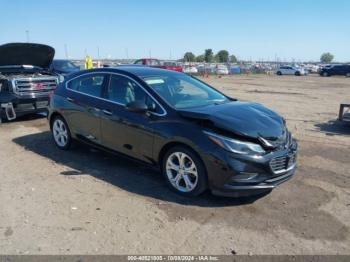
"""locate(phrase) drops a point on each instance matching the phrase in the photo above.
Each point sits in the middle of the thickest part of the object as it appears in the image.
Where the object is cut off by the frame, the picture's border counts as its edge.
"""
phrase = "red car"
(152, 62)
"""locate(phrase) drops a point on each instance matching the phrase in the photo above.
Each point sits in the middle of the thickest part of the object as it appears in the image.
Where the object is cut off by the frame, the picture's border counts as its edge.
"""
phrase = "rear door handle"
(94, 109)
(107, 112)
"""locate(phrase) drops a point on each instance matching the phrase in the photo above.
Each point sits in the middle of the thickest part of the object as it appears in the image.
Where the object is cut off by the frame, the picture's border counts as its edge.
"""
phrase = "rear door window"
(88, 84)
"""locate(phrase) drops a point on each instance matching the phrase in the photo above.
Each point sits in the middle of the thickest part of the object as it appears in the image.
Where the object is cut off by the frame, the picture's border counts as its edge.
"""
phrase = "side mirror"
(137, 107)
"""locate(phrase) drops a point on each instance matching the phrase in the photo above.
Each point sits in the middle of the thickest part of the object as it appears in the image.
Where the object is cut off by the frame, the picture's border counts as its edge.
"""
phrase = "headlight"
(60, 78)
(235, 146)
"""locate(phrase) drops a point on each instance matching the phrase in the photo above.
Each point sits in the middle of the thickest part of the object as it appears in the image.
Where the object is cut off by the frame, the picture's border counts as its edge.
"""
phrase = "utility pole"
(66, 50)
(98, 52)
(127, 53)
(27, 36)
(150, 53)
(276, 59)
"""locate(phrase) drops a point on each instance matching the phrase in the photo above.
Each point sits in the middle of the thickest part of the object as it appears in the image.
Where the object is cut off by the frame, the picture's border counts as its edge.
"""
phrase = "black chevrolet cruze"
(198, 137)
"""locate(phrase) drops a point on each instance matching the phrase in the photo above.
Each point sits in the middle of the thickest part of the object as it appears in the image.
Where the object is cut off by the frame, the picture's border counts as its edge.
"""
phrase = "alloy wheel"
(60, 132)
(182, 172)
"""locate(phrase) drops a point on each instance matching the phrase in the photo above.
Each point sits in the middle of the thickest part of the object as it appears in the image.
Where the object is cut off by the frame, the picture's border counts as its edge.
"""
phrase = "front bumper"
(23, 106)
(238, 175)
(256, 189)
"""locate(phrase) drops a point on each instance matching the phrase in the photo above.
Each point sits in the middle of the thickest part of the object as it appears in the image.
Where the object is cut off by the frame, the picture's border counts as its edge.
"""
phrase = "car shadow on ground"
(119, 171)
(334, 127)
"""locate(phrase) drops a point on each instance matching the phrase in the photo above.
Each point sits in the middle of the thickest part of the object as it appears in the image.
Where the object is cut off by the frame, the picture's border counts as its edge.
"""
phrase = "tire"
(279, 73)
(325, 74)
(297, 73)
(347, 75)
(60, 133)
(191, 183)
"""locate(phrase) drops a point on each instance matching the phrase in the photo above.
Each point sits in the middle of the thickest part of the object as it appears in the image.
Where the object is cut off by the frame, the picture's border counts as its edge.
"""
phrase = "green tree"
(189, 57)
(326, 58)
(200, 58)
(208, 55)
(233, 59)
(222, 56)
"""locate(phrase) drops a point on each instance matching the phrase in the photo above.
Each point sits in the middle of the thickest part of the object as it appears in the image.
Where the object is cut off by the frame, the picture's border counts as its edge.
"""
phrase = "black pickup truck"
(25, 79)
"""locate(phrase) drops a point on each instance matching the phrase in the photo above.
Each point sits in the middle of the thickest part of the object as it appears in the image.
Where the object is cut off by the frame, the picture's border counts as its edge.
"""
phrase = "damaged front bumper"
(236, 175)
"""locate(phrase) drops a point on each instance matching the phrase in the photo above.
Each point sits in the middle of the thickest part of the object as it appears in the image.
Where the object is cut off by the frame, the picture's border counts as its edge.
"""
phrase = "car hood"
(242, 118)
(26, 54)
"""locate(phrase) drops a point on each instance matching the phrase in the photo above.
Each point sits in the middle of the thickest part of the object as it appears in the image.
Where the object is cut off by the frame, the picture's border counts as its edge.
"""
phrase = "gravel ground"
(89, 202)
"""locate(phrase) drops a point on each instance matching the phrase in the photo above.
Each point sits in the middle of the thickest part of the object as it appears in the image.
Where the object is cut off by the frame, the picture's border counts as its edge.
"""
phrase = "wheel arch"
(53, 116)
(166, 147)
(205, 184)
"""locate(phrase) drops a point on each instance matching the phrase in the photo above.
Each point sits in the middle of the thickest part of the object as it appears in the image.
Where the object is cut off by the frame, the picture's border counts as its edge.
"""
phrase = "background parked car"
(63, 67)
(221, 70)
(189, 69)
(235, 70)
(152, 62)
(290, 70)
(206, 69)
(331, 70)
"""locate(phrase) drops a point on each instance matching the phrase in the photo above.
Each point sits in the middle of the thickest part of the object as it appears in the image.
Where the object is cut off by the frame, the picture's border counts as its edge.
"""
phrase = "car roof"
(61, 60)
(139, 70)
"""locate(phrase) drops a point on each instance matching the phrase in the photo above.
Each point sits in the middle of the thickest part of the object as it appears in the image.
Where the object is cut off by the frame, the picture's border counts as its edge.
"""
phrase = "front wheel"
(184, 171)
(297, 73)
(348, 75)
(279, 73)
(325, 74)
(60, 133)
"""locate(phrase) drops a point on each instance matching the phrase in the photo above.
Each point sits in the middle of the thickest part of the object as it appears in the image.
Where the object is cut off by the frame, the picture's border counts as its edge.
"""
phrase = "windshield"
(64, 65)
(182, 91)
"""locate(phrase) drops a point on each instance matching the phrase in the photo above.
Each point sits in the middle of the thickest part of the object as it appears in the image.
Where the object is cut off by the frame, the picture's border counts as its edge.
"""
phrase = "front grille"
(281, 143)
(34, 86)
(283, 163)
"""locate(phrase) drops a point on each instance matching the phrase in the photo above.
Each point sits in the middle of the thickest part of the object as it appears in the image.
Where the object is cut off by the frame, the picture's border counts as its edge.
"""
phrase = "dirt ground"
(89, 202)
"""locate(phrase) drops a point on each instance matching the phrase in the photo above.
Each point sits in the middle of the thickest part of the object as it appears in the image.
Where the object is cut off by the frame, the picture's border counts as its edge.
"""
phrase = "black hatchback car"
(198, 137)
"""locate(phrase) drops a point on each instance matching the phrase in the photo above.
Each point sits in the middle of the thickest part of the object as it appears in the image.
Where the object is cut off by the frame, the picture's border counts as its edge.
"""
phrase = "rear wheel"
(184, 171)
(325, 74)
(279, 73)
(348, 75)
(61, 133)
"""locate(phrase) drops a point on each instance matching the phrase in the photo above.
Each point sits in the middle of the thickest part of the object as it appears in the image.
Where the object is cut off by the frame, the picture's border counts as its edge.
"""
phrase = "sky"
(299, 30)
